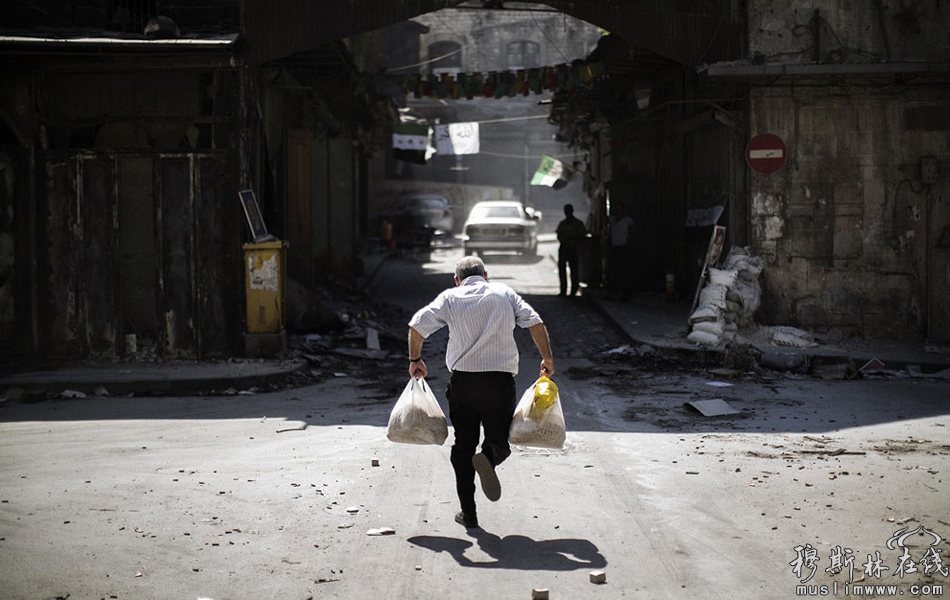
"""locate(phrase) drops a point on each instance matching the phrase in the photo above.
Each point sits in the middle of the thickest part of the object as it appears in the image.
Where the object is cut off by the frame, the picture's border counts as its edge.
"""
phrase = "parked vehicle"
(422, 218)
(500, 226)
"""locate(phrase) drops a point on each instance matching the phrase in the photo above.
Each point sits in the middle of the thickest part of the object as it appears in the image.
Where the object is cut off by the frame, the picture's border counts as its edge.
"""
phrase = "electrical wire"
(426, 62)
(550, 41)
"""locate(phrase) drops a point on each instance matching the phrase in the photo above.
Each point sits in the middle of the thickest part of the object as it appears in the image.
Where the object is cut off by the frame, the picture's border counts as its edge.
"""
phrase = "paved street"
(275, 495)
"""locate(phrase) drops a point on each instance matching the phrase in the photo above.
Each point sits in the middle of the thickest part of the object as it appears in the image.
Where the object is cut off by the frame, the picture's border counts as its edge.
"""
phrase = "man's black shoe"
(462, 519)
(486, 473)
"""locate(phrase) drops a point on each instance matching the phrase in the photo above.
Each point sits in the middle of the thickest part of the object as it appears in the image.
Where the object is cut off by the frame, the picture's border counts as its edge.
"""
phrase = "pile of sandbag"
(728, 300)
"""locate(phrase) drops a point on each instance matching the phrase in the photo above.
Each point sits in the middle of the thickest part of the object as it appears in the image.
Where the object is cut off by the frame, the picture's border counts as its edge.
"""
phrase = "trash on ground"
(300, 428)
(834, 368)
(381, 531)
(372, 339)
(782, 361)
(361, 353)
(725, 372)
(793, 337)
(712, 408)
(873, 365)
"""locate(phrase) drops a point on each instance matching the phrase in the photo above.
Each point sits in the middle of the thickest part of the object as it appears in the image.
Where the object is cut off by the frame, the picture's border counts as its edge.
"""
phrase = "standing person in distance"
(570, 231)
(620, 259)
(482, 357)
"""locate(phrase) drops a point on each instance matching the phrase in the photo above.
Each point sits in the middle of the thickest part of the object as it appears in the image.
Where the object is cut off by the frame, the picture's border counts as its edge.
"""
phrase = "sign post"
(765, 153)
(713, 252)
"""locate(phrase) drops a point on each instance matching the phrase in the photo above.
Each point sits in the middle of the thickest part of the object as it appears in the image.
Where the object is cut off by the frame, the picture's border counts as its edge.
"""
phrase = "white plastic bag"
(537, 427)
(417, 417)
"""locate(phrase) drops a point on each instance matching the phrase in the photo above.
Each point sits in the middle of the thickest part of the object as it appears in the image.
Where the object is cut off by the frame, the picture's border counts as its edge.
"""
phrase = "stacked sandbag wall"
(728, 300)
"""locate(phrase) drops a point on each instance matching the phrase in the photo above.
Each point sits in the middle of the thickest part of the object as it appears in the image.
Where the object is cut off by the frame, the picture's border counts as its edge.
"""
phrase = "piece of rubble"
(361, 353)
(793, 337)
(381, 531)
(712, 408)
(782, 361)
(539, 594)
(598, 577)
(725, 372)
(372, 339)
(873, 365)
(831, 371)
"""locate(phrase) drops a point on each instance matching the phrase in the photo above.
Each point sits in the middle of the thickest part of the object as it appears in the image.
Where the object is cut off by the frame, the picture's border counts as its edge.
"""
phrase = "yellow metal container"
(265, 274)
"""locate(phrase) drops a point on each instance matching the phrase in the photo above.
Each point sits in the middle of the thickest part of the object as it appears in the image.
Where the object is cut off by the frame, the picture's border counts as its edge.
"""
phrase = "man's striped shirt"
(481, 317)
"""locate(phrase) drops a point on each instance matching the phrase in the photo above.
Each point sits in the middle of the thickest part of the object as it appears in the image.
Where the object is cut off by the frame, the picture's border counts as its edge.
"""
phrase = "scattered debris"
(725, 372)
(539, 594)
(301, 428)
(372, 339)
(71, 394)
(598, 577)
(361, 353)
(793, 337)
(872, 365)
(712, 408)
(834, 368)
(835, 452)
(782, 361)
(381, 531)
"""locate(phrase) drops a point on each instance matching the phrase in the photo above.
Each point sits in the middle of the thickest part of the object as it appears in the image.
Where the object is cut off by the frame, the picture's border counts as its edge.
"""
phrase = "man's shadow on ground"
(517, 552)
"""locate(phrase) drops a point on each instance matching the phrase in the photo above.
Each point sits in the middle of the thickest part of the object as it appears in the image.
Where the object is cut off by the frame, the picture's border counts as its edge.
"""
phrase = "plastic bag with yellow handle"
(539, 420)
(545, 393)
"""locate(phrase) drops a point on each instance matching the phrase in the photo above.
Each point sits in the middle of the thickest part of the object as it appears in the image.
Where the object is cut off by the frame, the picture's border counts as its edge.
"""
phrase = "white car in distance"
(501, 226)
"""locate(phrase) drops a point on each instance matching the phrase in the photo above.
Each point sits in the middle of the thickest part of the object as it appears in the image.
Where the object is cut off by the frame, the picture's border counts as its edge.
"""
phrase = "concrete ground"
(278, 496)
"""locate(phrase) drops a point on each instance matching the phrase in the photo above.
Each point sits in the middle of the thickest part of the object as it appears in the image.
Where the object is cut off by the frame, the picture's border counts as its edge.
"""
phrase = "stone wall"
(485, 36)
(852, 224)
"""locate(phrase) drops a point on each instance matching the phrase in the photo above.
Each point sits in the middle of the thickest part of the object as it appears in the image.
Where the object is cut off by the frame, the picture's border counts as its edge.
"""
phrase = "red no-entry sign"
(765, 153)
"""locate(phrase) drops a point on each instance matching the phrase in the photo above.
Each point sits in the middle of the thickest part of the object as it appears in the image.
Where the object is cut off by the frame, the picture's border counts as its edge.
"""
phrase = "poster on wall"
(713, 252)
(254, 218)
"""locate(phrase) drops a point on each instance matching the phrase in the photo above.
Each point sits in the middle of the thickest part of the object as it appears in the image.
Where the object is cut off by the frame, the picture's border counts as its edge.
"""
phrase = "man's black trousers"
(476, 401)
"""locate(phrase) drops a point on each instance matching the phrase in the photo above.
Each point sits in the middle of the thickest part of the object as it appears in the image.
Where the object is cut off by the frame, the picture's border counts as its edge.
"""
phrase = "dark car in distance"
(422, 218)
